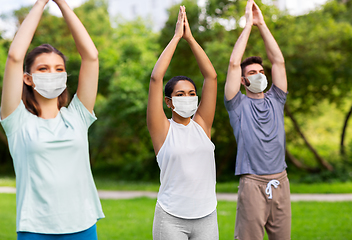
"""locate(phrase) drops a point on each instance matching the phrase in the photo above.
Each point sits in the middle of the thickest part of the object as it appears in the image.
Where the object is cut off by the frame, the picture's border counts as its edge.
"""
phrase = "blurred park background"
(317, 47)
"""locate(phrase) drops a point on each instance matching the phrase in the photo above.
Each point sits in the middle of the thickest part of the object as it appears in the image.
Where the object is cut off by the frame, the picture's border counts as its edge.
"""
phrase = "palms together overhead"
(253, 14)
(182, 26)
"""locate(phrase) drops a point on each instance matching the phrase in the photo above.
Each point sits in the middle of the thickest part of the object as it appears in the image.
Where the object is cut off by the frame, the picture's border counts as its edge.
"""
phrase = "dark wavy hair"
(27, 94)
(249, 61)
(169, 87)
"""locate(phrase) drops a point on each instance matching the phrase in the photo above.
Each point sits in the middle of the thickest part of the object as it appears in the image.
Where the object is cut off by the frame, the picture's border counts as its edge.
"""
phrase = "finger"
(183, 13)
(249, 4)
(186, 20)
(249, 7)
(179, 18)
(255, 6)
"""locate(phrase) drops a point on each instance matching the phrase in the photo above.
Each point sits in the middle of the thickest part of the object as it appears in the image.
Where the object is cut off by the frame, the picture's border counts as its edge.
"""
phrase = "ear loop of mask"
(247, 82)
(169, 99)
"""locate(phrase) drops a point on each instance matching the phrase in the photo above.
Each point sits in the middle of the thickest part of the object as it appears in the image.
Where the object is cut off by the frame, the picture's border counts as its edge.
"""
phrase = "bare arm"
(13, 75)
(89, 72)
(273, 51)
(234, 73)
(157, 122)
(206, 109)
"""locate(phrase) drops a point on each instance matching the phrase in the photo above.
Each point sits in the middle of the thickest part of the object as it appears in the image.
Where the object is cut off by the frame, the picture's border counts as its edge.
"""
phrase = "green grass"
(228, 187)
(336, 187)
(133, 219)
(7, 181)
(107, 184)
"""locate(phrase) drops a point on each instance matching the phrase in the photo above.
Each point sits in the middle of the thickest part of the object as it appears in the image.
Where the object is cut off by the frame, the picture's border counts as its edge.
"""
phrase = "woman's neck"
(180, 120)
(48, 107)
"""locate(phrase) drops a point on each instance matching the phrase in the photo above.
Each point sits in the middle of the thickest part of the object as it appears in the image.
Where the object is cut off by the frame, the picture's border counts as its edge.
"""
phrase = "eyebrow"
(182, 91)
(45, 64)
(251, 71)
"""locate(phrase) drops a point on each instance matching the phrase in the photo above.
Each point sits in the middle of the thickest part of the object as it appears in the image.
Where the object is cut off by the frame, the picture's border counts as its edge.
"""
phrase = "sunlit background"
(154, 10)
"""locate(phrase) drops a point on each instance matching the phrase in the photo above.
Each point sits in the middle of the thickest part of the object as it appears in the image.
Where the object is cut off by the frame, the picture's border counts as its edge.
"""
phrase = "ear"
(245, 82)
(28, 80)
(168, 102)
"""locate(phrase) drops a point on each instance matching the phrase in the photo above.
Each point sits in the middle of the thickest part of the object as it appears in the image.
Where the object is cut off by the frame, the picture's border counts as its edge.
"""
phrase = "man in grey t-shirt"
(257, 120)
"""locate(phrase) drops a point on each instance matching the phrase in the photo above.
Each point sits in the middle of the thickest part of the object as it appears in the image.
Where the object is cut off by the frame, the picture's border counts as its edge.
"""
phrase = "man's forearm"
(272, 48)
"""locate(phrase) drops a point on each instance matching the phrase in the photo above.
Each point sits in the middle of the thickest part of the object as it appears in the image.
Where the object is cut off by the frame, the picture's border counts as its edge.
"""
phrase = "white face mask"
(50, 85)
(258, 83)
(185, 106)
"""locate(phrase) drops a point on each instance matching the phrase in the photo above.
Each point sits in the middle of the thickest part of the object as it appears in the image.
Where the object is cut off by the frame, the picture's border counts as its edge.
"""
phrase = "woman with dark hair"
(186, 205)
(56, 194)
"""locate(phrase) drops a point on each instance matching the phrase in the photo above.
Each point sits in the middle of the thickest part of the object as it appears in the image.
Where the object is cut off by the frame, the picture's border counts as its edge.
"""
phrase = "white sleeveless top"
(187, 172)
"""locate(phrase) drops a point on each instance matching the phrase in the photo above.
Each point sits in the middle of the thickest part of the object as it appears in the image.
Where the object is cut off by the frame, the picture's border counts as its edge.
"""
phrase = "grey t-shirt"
(258, 125)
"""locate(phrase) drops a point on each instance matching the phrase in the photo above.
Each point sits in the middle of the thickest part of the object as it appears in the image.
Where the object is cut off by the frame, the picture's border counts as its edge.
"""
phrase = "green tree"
(317, 50)
(121, 140)
(5, 158)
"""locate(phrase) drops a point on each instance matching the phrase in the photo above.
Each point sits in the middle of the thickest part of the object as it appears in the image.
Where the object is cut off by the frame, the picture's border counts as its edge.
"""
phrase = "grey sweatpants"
(169, 227)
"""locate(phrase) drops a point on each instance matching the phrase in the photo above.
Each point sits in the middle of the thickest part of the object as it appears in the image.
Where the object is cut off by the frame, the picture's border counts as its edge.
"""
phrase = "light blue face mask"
(258, 83)
(185, 106)
(49, 85)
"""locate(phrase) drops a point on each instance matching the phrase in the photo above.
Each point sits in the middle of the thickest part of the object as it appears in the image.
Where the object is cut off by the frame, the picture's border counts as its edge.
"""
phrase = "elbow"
(215, 76)
(155, 77)
(279, 60)
(280, 63)
(234, 64)
(92, 56)
(15, 57)
(95, 55)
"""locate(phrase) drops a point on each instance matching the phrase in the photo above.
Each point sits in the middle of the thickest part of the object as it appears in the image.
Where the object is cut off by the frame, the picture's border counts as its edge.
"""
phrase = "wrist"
(261, 24)
(41, 3)
(248, 26)
(190, 39)
(61, 4)
(176, 37)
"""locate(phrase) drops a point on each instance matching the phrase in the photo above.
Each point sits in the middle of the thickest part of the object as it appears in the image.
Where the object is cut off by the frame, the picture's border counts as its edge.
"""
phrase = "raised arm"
(157, 122)
(89, 72)
(13, 75)
(206, 109)
(278, 70)
(234, 72)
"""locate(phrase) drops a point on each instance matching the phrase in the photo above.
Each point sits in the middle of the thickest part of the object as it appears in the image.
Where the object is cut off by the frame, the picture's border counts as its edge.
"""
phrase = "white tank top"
(187, 172)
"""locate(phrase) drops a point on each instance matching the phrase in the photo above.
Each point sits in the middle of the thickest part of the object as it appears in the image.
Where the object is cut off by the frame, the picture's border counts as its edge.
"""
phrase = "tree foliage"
(317, 48)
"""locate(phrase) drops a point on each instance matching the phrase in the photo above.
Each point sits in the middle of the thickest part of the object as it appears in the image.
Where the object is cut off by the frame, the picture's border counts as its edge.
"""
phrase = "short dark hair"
(27, 93)
(169, 87)
(251, 60)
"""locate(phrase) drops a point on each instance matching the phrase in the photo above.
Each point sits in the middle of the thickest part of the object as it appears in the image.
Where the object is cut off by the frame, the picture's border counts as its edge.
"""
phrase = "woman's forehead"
(183, 84)
(48, 58)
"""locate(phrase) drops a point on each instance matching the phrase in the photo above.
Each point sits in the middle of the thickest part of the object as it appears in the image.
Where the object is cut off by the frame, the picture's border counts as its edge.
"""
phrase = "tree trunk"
(299, 164)
(342, 144)
(319, 158)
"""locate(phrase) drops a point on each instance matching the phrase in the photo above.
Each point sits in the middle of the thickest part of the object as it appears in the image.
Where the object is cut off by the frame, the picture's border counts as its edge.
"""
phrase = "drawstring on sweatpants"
(268, 189)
